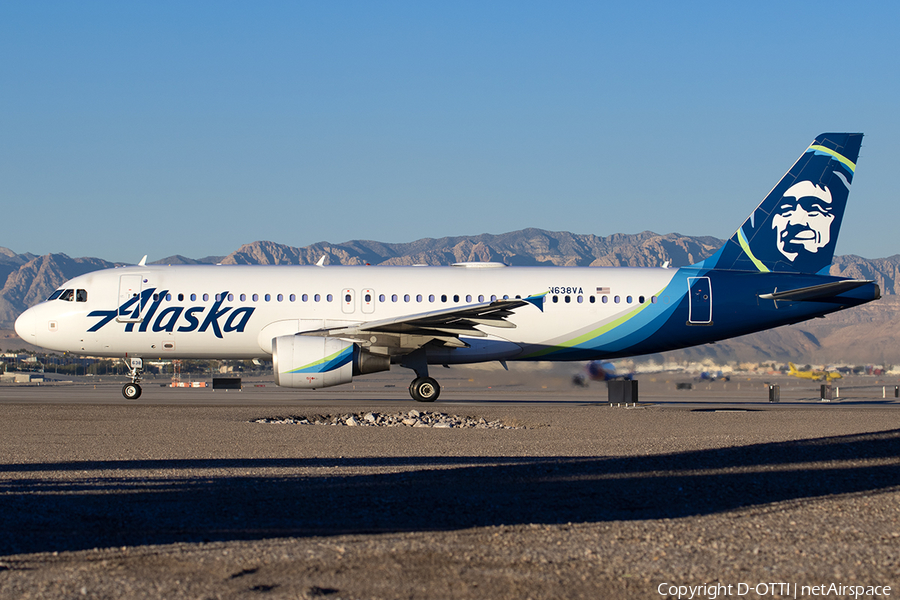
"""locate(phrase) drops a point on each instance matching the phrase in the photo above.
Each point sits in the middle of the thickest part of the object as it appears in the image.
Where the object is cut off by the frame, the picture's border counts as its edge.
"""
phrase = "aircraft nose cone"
(25, 326)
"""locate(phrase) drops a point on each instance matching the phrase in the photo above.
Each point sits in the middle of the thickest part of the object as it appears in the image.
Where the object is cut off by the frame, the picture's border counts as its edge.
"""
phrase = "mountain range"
(865, 334)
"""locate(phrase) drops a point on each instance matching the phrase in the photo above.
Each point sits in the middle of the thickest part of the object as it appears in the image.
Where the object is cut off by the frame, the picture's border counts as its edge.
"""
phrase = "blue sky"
(161, 128)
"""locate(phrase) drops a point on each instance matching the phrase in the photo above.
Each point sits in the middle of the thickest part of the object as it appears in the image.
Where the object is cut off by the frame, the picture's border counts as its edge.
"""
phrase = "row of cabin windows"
(318, 298)
(605, 299)
(383, 298)
(253, 297)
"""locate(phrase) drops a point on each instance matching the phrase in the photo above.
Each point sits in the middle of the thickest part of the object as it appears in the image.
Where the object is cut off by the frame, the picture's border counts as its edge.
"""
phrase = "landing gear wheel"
(131, 391)
(424, 389)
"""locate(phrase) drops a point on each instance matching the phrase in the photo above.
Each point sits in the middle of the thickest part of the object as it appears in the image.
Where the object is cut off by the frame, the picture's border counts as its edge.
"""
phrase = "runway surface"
(181, 495)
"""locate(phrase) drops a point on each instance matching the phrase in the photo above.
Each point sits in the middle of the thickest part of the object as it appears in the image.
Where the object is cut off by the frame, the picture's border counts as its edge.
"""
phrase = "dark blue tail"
(795, 228)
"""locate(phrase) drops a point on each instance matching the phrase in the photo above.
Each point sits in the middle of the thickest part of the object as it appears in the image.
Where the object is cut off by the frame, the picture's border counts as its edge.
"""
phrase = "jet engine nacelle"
(315, 362)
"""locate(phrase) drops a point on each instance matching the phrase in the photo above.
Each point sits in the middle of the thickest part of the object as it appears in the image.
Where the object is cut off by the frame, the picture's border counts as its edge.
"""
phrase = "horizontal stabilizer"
(816, 292)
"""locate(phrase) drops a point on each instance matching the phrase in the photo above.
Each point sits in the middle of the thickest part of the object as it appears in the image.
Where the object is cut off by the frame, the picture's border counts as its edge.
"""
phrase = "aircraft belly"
(479, 350)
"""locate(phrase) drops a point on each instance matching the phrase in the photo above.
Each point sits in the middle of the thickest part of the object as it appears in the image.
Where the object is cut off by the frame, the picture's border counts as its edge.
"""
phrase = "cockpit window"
(69, 295)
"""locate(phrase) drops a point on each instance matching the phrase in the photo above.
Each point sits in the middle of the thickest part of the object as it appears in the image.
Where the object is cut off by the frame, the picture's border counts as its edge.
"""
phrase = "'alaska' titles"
(150, 315)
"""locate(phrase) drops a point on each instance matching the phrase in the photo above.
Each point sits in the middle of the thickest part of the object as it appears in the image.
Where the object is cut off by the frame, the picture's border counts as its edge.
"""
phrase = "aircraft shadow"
(92, 509)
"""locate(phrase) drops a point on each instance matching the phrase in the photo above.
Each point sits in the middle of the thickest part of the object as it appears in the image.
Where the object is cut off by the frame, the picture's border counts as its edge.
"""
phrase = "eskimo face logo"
(802, 220)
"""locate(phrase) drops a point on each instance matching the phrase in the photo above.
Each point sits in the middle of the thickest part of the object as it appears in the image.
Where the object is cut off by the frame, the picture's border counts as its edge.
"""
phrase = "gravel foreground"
(412, 418)
(578, 502)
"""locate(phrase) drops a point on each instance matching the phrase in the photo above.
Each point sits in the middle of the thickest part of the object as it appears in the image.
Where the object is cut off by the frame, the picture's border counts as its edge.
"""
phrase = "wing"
(402, 335)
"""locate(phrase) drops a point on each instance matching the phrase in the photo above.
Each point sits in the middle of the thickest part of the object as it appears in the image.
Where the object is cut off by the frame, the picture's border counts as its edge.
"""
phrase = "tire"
(131, 391)
(424, 389)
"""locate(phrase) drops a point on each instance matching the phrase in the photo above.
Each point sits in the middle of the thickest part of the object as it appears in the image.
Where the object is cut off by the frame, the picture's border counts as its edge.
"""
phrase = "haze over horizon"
(627, 243)
(191, 129)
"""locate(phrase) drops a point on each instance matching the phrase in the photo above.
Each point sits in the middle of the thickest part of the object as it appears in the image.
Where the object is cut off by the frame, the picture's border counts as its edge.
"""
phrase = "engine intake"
(309, 362)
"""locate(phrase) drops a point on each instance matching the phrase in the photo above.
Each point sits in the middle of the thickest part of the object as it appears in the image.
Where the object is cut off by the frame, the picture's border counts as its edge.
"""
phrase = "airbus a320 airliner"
(321, 326)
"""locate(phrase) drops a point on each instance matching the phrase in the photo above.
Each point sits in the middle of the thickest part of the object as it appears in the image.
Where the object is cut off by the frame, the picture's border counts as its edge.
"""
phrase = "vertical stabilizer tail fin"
(795, 228)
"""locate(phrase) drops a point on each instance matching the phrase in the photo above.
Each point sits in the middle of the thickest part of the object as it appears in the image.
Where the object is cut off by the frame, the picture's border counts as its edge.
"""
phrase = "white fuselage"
(230, 311)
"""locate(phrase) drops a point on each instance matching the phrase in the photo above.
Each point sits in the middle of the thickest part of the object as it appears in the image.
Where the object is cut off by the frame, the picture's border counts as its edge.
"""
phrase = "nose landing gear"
(132, 391)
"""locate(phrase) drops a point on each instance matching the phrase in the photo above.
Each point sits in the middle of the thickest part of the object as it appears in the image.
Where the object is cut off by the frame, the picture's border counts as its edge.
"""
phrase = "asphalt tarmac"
(181, 495)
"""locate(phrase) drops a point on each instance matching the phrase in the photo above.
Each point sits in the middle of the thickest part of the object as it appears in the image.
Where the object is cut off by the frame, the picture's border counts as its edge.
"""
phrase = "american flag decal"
(602, 290)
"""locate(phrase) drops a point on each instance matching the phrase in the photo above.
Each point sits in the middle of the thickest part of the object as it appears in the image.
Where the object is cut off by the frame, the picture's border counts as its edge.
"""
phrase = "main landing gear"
(423, 388)
(132, 391)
